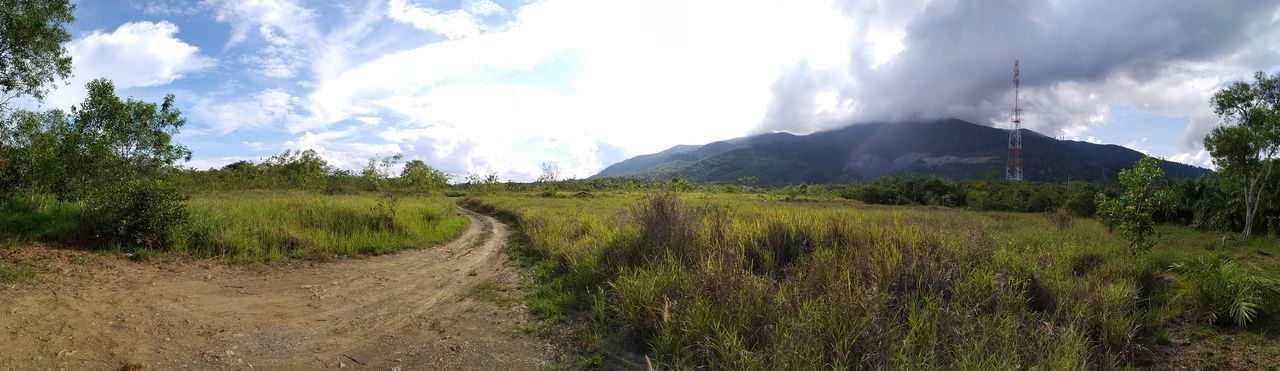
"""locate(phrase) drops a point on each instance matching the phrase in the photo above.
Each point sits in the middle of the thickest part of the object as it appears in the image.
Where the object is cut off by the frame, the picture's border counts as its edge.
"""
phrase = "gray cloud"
(793, 105)
(1078, 57)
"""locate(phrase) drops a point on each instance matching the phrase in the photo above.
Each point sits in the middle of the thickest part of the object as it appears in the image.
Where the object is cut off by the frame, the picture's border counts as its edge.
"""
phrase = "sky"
(503, 86)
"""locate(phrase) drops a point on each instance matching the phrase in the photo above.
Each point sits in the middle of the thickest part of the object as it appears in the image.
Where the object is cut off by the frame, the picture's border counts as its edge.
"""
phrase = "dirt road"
(446, 307)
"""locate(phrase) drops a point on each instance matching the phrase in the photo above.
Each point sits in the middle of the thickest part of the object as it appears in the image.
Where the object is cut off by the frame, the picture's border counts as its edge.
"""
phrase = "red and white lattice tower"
(1013, 170)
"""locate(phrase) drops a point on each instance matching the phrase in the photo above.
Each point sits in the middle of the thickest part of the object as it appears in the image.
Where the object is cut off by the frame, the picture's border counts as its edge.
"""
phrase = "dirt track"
(415, 310)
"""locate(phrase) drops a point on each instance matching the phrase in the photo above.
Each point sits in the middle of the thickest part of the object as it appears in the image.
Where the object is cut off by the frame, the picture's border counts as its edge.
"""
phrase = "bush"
(1143, 191)
(667, 225)
(1061, 218)
(139, 211)
(1228, 292)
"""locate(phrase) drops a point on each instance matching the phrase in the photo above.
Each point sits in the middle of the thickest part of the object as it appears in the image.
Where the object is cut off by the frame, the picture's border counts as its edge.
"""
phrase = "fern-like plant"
(1228, 291)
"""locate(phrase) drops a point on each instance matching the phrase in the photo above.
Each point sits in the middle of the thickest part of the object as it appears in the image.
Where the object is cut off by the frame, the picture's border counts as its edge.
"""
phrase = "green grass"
(15, 273)
(265, 226)
(45, 220)
(260, 226)
(491, 291)
(748, 281)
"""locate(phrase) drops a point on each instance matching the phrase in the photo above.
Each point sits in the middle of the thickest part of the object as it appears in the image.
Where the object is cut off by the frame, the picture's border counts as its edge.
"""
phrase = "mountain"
(947, 148)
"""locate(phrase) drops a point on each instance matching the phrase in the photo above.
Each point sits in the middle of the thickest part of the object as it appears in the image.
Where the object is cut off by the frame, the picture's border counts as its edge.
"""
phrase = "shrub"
(1143, 192)
(1228, 291)
(667, 225)
(1062, 218)
(138, 211)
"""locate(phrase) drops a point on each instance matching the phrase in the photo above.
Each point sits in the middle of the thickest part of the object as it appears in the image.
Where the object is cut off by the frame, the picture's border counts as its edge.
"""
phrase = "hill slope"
(946, 148)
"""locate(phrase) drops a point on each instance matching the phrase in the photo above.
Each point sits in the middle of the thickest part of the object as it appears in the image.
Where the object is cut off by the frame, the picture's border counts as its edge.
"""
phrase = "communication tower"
(1013, 170)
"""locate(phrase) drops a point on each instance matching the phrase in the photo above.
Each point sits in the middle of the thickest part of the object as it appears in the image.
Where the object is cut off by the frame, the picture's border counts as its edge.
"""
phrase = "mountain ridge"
(948, 148)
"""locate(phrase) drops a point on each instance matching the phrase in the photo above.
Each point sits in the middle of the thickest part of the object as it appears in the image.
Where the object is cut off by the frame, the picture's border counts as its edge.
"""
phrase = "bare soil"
(448, 307)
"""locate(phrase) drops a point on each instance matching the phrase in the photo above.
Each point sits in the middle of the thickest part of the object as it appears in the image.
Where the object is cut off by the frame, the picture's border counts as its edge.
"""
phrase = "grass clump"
(15, 273)
(1227, 291)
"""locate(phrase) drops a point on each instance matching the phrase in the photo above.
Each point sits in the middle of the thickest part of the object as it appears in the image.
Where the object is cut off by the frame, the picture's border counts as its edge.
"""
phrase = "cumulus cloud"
(136, 54)
(804, 100)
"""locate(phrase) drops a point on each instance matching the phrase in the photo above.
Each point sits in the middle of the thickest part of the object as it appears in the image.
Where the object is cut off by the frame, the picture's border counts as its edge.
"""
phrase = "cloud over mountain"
(1078, 58)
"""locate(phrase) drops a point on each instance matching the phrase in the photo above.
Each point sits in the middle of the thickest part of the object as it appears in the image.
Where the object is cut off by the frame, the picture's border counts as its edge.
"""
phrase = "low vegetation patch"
(16, 272)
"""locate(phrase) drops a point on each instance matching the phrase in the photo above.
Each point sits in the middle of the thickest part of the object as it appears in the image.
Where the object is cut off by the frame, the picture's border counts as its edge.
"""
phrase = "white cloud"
(483, 7)
(1136, 145)
(270, 108)
(453, 24)
(634, 75)
(136, 54)
(1089, 139)
(370, 120)
(286, 27)
(339, 153)
(1199, 158)
(256, 146)
(216, 162)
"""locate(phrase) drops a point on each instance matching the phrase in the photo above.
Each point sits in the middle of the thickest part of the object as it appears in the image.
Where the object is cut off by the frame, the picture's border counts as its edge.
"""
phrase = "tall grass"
(44, 220)
(259, 226)
(264, 226)
(742, 282)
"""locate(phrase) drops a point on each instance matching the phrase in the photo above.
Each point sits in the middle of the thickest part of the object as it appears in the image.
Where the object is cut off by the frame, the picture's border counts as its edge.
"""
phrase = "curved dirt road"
(447, 307)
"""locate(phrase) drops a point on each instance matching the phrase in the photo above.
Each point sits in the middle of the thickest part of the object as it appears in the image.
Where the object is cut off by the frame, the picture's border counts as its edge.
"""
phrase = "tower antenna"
(1013, 170)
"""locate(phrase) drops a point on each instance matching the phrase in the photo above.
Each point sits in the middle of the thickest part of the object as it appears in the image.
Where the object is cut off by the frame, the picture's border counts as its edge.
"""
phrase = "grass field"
(253, 227)
(748, 281)
(248, 226)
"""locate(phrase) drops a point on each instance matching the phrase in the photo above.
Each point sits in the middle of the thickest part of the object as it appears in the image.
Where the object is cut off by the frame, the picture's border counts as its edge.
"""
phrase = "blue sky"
(478, 86)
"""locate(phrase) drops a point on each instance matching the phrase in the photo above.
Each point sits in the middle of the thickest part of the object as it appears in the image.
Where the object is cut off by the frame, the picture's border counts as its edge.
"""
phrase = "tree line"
(306, 170)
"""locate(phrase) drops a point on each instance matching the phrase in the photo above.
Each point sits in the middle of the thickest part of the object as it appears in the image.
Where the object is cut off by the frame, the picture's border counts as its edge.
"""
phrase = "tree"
(1245, 145)
(115, 158)
(550, 172)
(1142, 192)
(418, 177)
(34, 139)
(484, 184)
(32, 55)
(377, 173)
(303, 169)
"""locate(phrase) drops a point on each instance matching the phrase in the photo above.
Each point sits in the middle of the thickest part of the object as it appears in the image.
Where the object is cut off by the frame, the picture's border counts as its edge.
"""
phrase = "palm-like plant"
(1228, 291)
